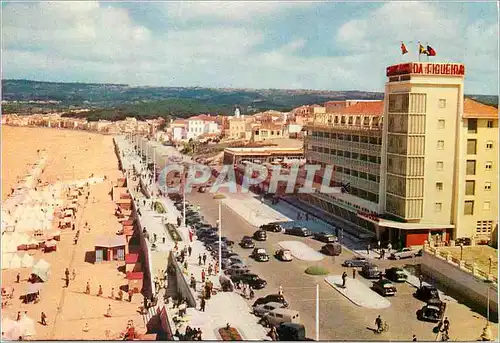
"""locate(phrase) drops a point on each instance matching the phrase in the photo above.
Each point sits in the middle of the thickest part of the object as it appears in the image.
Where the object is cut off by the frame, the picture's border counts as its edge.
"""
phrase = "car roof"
(285, 311)
(273, 303)
(384, 281)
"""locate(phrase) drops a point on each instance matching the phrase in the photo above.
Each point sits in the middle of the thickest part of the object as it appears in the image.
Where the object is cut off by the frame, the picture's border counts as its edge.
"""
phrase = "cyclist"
(379, 324)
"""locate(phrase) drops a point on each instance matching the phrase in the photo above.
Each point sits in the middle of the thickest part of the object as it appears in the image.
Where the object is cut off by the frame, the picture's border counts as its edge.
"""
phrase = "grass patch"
(159, 207)
(230, 334)
(172, 231)
(219, 196)
(316, 271)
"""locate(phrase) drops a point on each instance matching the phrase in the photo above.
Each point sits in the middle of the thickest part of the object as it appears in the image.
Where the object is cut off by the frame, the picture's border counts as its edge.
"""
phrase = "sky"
(292, 45)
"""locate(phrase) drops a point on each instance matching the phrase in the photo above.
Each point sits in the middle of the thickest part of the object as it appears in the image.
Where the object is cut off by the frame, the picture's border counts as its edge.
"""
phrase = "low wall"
(183, 288)
(461, 280)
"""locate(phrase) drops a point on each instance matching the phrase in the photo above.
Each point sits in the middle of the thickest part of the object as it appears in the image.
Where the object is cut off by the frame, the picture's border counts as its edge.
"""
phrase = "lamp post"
(489, 267)
(220, 238)
(461, 251)
(486, 336)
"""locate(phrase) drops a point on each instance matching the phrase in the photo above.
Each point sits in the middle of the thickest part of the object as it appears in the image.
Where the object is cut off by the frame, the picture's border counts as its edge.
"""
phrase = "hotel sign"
(418, 68)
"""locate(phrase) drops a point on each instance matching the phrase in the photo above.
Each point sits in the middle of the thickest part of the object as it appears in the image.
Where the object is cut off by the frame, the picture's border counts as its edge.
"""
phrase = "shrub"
(159, 207)
(176, 237)
(230, 334)
(315, 270)
(219, 196)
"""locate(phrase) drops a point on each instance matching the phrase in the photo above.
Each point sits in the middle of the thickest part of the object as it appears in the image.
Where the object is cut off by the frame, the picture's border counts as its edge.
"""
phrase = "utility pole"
(220, 238)
(183, 200)
(317, 312)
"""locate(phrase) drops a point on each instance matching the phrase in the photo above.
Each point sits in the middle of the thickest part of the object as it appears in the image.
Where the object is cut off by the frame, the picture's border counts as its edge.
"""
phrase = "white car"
(262, 309)
(284, 255)
(403, 253)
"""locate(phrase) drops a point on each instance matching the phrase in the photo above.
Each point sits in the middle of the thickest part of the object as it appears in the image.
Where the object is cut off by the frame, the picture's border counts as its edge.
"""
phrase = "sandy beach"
(71, 154)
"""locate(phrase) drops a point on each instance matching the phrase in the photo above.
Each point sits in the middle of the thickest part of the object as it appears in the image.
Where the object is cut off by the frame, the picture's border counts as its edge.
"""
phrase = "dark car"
(291, 332)
(355, 262)
(298, 231)
(384, 287)
(334, 249)
(429, 294)
(260, 255)
(276, 298)
(370, 271)
(253, 280)
(247, 243)
(432, 312)
(260, 235)
(272, 227)
(202, 189)
(463, 241)
(227, 241)
(396, 274)
(325, 237)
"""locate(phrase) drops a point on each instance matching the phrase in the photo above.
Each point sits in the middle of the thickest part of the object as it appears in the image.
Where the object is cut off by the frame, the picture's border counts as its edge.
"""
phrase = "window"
(438, 206)
(439, 165)
(472, 125)
(439, 186)
(471, 146)
(486, 205)
(471, 167)
(489, 165)
(441, 124)
(489, 145)
(442, 103)
(470, 187)
(487, 186)
(489, 124)
(469, 207)
(440, 145)
(484, 226)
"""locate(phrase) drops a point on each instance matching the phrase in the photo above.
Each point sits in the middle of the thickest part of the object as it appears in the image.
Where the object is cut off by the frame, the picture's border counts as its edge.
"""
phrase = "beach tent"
(6, 257)
(11, 329)
(27, 261)
(33, 288)
(42, 270)
(15, 262)
(27, 326)
(8, 243)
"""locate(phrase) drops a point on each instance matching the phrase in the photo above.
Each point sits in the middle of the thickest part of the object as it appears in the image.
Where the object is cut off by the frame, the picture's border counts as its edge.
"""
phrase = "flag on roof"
(422, 50)
(430, 51)
(403, 48)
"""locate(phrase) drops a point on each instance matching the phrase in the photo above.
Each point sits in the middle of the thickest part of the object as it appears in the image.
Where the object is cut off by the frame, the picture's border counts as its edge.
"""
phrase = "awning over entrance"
(405, 226)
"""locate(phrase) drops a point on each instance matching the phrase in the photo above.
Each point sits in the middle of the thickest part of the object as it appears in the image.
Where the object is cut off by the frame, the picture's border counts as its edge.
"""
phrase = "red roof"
(131, 258)
(203, 117)
(135, 275)
(364, 108)
(474, 109)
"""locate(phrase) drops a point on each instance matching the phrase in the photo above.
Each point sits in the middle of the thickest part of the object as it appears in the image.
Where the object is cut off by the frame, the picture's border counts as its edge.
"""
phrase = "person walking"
(43, 319)
(120, 295)
(199, 259)
(99, 292)
(216, 268)
(368, 249)
(353, 273)
(108, 312)
(193, 282)
(112, 295)
(389, 247)
(87, 288)
(280, 290)
(210, 269)
(378, 324)
(203, 275)
(202, 304)
(344, 277)
(66, 272)
(67, 281)
(190, 250)
(73, 274)
(130, 295)
(18, 277)
(204, 258)
(414, 338)
(421, 280)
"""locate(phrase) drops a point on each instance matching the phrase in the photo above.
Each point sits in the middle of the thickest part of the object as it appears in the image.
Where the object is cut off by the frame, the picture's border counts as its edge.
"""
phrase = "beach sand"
(68, 309)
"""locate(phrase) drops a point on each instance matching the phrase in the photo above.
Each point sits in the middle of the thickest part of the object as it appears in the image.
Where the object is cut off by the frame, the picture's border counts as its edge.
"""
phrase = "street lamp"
(461, 251)
(220, 238)
(486, 336)
(489, 268)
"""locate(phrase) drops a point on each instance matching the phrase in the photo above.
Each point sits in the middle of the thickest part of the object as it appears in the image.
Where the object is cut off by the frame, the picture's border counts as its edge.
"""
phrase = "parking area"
(339, 318)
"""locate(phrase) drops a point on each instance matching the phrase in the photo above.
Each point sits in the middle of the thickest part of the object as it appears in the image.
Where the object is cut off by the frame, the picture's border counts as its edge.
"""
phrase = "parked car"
(355, 262)
(271, 298)
(330, 249)
(225, 253)
(260, 235)
(247, 243)
(227, 241)
(253, 280)
(260, 255)
(463, 241)
(202, 189)
(262, 309)
(291, 332)
(432, 312)
(324, 237)
(396, 274)
(272, 227)
(298, 231)
(280, 315)
(429, 294)
(370, 271)
(384, 287)
(233, 271)
(284, 255)
(403, 253)
(226, 262)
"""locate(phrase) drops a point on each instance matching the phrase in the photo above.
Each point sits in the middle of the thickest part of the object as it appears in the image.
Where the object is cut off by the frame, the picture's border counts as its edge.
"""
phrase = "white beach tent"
(9, 245)
(15, 261)
(11, 329)
(6, 257)
(42, 269)
(27, 326)
(27, 261)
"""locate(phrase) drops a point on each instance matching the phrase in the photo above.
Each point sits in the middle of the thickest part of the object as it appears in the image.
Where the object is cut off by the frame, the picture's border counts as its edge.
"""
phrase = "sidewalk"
(302, 251)
(357, 292)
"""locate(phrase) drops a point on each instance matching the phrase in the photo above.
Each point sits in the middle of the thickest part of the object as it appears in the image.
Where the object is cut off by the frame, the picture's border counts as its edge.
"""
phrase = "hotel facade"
(422, 164)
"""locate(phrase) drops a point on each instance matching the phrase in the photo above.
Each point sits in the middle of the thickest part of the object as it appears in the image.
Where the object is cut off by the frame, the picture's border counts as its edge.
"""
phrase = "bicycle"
(383, 328)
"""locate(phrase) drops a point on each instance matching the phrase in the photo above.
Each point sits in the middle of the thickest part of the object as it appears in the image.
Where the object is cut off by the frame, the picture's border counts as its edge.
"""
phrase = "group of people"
(246, 291)
(190, 334)
(112, 294)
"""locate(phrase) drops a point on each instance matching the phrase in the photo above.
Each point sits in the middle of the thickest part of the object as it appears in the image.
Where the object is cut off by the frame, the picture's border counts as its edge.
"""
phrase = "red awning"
(131, 258)
(135, 275)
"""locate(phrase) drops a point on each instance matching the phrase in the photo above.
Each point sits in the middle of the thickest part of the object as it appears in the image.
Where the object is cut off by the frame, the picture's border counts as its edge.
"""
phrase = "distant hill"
(115, 101)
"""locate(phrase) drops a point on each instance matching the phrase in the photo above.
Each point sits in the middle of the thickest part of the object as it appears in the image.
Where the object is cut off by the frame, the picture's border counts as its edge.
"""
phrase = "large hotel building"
(422, 164)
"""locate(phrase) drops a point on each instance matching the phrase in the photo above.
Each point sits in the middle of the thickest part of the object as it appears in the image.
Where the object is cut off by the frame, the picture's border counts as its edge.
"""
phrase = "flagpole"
(418, 50)
(427, 44)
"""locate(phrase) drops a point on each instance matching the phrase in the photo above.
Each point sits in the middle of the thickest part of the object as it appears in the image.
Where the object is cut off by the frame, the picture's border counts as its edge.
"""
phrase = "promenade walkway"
(357, 292)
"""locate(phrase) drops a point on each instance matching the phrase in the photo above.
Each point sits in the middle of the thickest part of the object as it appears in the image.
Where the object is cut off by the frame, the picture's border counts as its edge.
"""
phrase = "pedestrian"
(204, 258)
(421, 280)
(43, 319)
(280, 290)
(87, 288)
(210, 269)
(120, 295)
(190, 250)
(112, 295)
(193, 282)
(86, 327)
(353, 273)
(245, 290)
(66, 272)
(389, 247)
(164, 239)
(414, 339)
(344, 277)
(18, 316)
(130, 294)
(382, 254)
(108, 312)
(368, 249)
(203, 275)
(67, 281)
(307, 216)
(18, 277)
(199, 259)
(99, 292)
(202, 304)
(446, 325)
(73, 274)
(73, 226)
(216, 268)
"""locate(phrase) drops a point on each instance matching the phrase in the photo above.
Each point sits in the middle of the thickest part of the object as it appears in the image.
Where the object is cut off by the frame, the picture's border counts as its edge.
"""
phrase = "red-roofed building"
(132, 263)
(135, 281)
